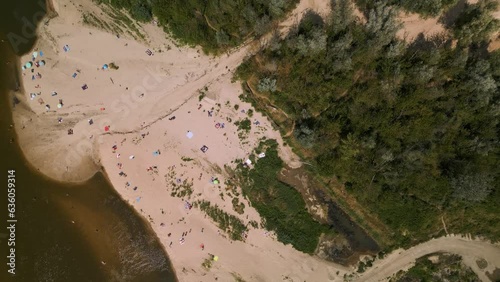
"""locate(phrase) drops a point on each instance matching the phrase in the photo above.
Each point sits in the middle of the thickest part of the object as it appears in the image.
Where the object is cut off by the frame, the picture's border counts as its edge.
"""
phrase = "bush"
(280, 205)
(267, 85)
(113, 66)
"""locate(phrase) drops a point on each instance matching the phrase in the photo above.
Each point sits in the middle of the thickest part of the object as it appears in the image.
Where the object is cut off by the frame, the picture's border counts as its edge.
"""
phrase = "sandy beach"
(133, 108)
(142, 111)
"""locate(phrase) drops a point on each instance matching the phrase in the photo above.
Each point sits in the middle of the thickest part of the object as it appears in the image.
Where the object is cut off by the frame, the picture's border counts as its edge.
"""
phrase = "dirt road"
(470, 250)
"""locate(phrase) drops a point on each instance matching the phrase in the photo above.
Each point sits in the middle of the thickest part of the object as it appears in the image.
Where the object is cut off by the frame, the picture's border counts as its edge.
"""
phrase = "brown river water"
(62, 232)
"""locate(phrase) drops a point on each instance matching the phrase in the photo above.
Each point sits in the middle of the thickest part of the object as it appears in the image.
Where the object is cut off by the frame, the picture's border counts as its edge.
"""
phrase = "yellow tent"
(216, 258)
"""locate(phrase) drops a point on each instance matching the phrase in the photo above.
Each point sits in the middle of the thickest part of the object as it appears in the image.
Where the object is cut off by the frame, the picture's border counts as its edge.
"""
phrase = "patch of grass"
(231, 224)
(281, 206)
(112, 65)
(123, 19)
(180, 189)
(244, 125)
(201, 96)
(237, 206)
(254, 224)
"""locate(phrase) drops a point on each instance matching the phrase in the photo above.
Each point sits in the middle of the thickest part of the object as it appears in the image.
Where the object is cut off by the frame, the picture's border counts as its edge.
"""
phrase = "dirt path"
(470, 250)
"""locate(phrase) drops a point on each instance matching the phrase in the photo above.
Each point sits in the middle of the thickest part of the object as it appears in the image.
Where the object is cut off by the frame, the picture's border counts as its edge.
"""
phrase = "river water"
(64, 232)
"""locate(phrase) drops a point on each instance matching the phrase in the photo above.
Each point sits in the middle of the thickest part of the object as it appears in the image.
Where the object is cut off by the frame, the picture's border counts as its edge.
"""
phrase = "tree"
(426, 7)
(222, 37)
(277, 7)
(472, 187)
(341, 15)
(475, 23)
(267, 84)
(262, 25)
(382, 24)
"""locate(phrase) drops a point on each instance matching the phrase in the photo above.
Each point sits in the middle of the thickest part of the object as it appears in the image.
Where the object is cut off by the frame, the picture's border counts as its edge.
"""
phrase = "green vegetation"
(179, 188)
(244, 124)
(237, 206)
(113, 66)
(215, 25)
(280, 205)
(442, 267)
(476, 22)
(250, 113)
(140, 10)
(411, 130)
(423, 7)
(207, 262)
(186, 159)
(230, 224)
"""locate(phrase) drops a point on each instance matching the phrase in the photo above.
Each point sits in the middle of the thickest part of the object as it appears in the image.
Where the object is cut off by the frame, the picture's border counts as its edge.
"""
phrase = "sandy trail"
(470, 250)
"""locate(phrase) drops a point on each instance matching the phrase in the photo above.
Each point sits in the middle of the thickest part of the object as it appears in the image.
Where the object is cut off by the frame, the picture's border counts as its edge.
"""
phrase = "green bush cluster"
(214, 25)
(280, 205)
(425, 8)
(229, 223)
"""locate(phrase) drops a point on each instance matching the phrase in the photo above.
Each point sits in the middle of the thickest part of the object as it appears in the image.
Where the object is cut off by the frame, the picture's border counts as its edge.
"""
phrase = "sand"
(132, 108)
(413, 25)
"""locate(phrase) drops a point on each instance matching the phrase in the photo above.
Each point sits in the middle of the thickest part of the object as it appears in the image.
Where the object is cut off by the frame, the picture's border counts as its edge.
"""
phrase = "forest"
(214, 25)
(411, 130)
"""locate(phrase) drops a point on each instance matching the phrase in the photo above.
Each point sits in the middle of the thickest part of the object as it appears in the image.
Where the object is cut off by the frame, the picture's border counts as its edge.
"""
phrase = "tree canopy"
(214, 25)
(411, 130)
